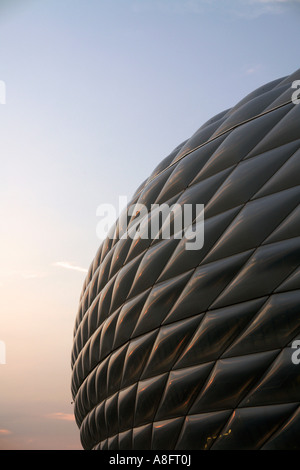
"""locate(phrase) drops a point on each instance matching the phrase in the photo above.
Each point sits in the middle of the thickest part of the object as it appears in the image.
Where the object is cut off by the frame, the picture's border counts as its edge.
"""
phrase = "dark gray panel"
(230, 380)
(181, 389)
(179, 349)
(148, 397)
(200, 431)
(217, 331)
(250, 428)
(165, 433)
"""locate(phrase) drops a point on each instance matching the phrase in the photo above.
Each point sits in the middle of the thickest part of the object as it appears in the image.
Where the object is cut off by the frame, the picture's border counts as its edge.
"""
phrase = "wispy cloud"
(168, 7)
(68, 265)
(5, 432)
(24, 274)
(252, 9)
(61, 416)
(252, 69)
(276, 1)
(175, 6)
(32, 275)
(247, 9)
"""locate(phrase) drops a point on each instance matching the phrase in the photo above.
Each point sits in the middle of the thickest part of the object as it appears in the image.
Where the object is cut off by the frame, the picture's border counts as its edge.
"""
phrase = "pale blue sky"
(98, 92)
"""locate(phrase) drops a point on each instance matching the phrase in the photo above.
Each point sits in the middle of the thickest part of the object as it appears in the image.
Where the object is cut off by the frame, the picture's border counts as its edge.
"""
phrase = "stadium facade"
(193, 349)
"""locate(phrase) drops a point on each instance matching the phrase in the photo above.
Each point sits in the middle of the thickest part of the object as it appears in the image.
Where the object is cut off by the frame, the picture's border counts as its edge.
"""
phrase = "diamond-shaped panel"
(182, 349)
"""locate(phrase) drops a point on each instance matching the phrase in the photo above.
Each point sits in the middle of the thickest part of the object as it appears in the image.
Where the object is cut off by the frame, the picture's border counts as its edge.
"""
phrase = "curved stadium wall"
(179, 349)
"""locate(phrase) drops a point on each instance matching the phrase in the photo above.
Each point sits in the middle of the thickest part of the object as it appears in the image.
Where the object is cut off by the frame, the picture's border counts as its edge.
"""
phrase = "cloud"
(239, 8)
(32, 275)
(252, 69)
(62, 416)
(251, 9)
(174, 6)
(276, 1)
(24, 274)
(5, 432)
(67, 265)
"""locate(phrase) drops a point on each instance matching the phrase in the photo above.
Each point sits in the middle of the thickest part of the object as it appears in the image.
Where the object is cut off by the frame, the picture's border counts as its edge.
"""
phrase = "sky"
(94, 94)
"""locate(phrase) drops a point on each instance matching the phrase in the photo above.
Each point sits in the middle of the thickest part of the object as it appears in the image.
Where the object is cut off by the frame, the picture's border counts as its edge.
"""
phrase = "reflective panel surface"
(182, 349)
